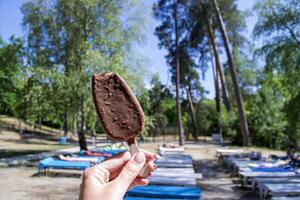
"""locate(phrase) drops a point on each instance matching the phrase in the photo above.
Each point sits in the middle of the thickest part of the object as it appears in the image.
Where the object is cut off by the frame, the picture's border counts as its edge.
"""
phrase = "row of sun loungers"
(277, 179)
(174, 179)
(80, 161)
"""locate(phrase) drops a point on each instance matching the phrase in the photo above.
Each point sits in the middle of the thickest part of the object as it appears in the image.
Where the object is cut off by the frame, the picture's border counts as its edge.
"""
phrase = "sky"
(11, 19)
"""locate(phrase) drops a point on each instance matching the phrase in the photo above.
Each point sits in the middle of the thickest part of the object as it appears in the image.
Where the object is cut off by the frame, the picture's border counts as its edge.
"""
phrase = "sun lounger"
(258, 182)
(177, 172)
(269, 169)
(179, 178)
(162, 192)
(174, 171)
(281, 190)
(93, 160)
(175, 161)
(174, 165)
(261, 185)
(239, 164)
(165, 150)
(246, 175)
(145, 198)
(285, 198)
(110, 151)
(61, 164)
(93, 154)
(175, 181)
(228, 152)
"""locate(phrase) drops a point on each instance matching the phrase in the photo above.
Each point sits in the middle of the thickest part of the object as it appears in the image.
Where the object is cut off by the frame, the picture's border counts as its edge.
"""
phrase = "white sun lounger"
(176, 174)
(174, 181)
(281, 190)
(175, 161)
(285, 198)
(174, 165)
(164, 150)
(228, 152)
(175, 170)
(246, 175)
(261, 185)
(259, 182)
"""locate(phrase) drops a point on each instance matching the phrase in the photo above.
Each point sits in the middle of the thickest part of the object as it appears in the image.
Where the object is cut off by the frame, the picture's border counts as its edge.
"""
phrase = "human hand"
(112, 178)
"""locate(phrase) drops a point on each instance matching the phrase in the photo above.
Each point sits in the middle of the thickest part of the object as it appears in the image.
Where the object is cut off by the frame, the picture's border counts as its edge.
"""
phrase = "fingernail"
(139, 157)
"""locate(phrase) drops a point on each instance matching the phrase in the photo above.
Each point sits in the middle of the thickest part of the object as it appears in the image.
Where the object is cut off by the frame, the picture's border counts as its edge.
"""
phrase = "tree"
(169, 12)
(233, 73)
(278, 25)
(10, 73)
(73, 40)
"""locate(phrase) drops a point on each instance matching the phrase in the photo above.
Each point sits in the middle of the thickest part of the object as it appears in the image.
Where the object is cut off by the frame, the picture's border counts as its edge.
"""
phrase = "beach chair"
(174, 165)
(285, 198)
(175, 161)
(281, 190)
(173, 181)
(165, 150)
(146, 198)
(175, 177)
(51, 163)
(244, 176)
(259, 182)
(228, 152)
(165, 192)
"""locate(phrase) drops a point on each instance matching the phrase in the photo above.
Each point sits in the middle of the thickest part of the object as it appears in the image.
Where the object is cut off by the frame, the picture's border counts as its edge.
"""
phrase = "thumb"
(130, 172)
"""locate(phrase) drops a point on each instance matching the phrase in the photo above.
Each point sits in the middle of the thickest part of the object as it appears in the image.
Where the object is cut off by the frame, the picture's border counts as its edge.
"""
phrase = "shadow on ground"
(217, 183)
(54, 174)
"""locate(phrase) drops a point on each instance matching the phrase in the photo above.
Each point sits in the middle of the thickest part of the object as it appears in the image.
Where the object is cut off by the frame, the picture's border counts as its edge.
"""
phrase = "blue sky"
(11, 19)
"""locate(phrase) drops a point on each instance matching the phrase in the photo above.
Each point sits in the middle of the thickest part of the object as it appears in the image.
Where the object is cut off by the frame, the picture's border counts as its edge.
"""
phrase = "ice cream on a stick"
(118, 110)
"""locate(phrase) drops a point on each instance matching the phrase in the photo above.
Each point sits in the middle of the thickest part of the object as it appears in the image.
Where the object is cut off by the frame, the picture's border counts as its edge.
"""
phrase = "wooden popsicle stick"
(134, 149)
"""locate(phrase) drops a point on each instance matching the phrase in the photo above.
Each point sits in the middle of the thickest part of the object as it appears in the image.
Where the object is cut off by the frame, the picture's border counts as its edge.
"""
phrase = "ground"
(25, 183)
(30, 140)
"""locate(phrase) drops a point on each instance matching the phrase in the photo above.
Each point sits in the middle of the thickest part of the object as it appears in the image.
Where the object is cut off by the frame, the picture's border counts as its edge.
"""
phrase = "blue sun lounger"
(165, 192)
(61, 164)
(145, 198)
(272, 169)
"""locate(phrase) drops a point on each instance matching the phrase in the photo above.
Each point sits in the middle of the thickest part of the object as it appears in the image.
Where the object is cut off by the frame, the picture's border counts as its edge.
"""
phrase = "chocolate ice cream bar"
(118, 110)
(117, 107)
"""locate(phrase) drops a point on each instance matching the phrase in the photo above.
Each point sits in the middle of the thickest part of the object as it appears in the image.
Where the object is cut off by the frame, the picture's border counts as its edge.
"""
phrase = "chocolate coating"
(117, 107)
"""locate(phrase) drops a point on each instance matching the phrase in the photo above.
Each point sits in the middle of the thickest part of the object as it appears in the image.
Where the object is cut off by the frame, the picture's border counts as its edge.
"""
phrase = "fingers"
(130, 172)
(149, 155)
(116, 162)
(139, 182)
(152, 166)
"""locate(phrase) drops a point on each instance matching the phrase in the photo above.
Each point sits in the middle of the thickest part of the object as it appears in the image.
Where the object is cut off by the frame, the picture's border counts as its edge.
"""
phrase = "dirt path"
(22, 184)
(216, 184)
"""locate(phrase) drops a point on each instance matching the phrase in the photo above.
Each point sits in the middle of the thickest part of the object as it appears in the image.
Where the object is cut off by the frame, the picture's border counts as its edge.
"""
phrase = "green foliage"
(10, 73)
(266, 119)
(278, 26)
(206, 117)
(66, 43)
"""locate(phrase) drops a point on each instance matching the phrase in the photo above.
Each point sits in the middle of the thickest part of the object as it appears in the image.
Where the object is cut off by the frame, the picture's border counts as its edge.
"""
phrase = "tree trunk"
(215, 54)
(40, 123)
(189, 97)
(178, 106)
(66, 116)
(74, 122)
(81, 133)
(218, 102)
(233, 73)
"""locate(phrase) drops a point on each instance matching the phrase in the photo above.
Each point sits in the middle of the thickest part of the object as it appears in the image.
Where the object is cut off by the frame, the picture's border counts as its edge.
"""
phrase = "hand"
(112, 178)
